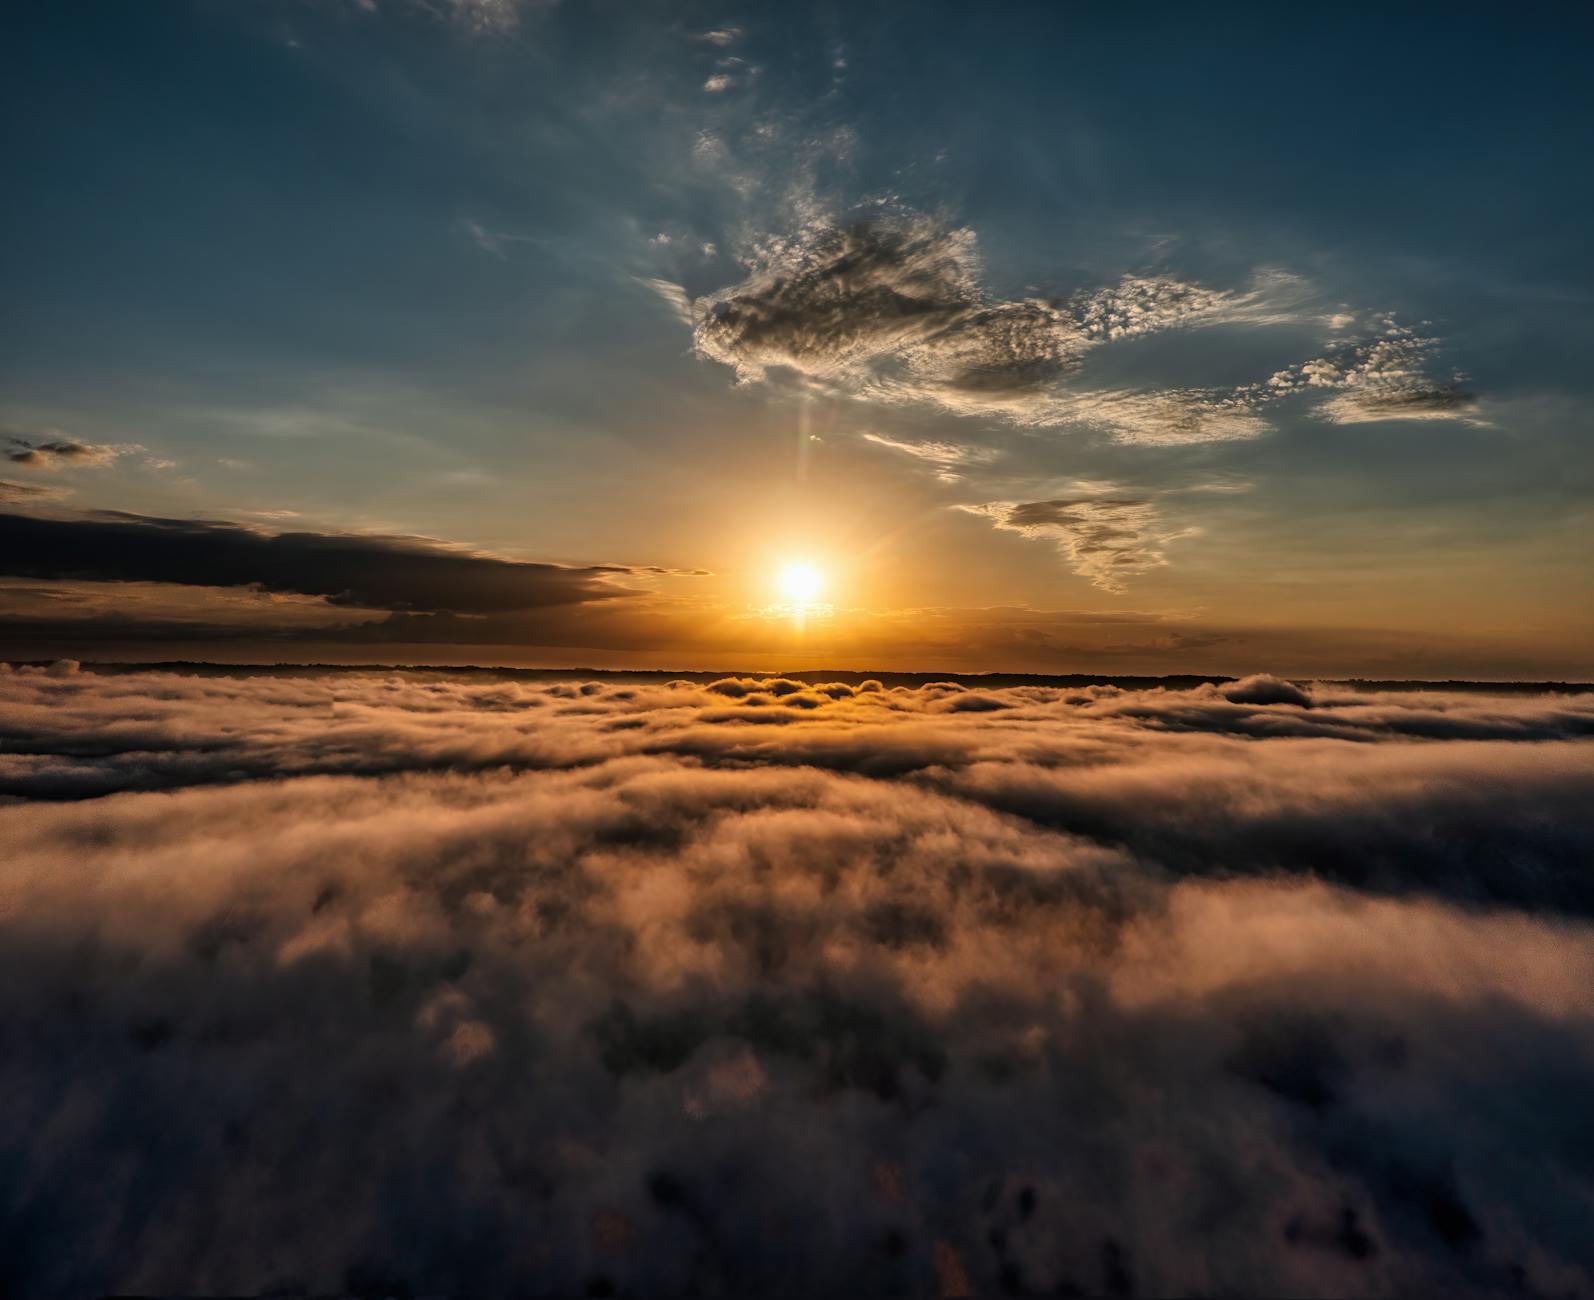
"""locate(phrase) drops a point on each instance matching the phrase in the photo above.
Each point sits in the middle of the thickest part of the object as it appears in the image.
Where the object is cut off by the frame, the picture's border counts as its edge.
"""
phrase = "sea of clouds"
(445, 982)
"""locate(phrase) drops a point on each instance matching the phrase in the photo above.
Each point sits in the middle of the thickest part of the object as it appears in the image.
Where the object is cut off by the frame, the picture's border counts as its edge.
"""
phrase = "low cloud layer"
(456, 982)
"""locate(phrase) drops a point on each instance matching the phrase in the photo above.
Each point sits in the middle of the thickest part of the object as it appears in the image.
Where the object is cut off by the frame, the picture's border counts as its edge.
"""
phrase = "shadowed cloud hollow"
(367, 981)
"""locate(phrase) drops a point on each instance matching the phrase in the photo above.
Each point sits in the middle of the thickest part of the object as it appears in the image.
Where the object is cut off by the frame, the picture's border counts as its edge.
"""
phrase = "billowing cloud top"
(447, 982)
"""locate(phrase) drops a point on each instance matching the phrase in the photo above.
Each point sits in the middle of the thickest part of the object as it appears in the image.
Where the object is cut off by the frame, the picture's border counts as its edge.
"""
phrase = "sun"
(801, 583)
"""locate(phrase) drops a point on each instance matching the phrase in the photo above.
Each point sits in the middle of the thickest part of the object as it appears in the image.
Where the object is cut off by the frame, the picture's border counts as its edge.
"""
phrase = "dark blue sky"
(1264, 329)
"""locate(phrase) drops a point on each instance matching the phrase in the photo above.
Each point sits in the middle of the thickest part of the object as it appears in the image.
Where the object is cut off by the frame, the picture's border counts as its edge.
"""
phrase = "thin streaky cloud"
(1106, 536)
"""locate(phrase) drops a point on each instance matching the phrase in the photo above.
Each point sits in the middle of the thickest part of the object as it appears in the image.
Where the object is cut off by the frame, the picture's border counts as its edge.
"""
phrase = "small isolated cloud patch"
(1389, 377)
(1106, 537)
(57, 452)
(1262, 688)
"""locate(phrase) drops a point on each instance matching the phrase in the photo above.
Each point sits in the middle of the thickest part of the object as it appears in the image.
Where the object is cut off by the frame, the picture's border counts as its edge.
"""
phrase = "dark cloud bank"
(378, 982)
(393, 573)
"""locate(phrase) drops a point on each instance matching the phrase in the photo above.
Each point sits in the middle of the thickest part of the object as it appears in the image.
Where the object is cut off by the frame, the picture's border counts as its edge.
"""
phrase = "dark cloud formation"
(383, 982)
(845, 296)
(57, 452)
(889, 306)
(391, 573)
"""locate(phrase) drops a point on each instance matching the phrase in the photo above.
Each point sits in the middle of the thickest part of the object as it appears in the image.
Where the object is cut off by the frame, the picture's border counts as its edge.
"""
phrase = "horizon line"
(899, 677)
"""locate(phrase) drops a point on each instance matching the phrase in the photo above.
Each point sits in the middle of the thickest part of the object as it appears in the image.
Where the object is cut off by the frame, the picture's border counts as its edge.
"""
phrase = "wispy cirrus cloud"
(487, 15)
(500, 243)
(948, 459)
(29, 493)
(1107, 535)
(672, 293)
(482, 17)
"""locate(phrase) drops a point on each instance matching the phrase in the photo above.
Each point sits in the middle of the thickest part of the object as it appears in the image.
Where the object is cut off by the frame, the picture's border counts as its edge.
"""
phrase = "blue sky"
(1236, 338)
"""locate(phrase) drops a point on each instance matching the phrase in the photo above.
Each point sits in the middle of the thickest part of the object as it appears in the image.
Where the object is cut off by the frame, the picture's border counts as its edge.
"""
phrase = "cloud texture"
(57, 452)
(890, 307)
(457, 982)
(1106, 536)
(394, 573)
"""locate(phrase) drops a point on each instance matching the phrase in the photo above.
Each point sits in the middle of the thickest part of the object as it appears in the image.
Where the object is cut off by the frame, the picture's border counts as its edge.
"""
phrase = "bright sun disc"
(800, 583)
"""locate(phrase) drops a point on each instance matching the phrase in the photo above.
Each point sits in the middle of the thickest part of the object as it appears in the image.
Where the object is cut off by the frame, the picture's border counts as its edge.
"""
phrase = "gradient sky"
(1058, 338)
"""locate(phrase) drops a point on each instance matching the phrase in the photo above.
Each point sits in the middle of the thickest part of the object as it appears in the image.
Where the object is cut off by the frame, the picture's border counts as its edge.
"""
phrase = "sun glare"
(801, 583)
